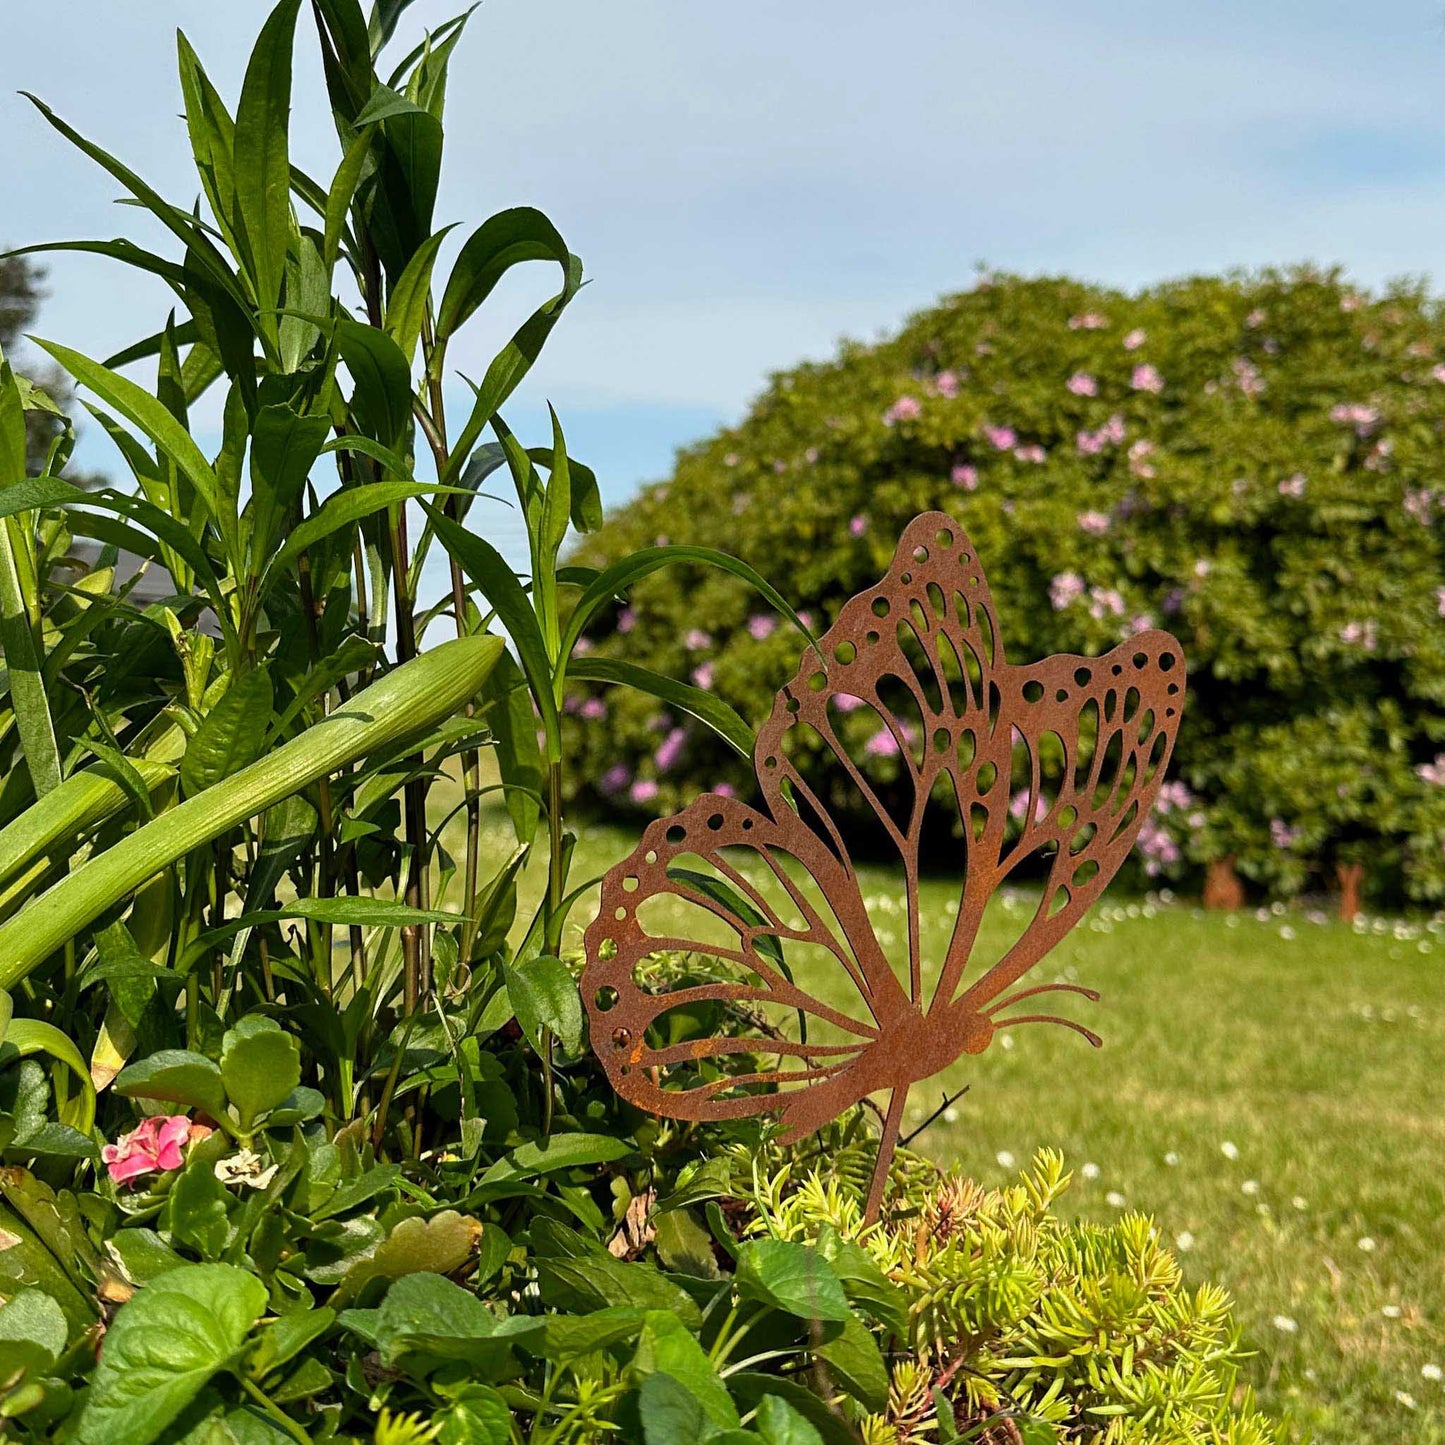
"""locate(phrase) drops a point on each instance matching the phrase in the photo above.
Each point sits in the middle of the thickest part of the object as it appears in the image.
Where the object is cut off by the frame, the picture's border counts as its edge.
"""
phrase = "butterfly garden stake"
(979, 768)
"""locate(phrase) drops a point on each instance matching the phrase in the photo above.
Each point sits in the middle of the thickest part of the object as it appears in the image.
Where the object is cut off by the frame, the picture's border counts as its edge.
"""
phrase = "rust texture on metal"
(995, 767)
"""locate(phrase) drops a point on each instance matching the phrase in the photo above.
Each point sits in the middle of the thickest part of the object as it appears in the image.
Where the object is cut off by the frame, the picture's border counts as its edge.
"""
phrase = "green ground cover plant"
(300, 1137)
(1252, 462)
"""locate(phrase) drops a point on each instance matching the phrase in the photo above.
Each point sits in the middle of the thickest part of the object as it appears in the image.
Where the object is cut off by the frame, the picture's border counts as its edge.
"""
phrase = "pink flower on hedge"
(858, 526)
(152, 1147)
(1281, 834)
(1357, 414)
(697, 640)
(1158, 847)
(966, 477)
(1255, 319)
(1082, 384)
(1360, 634)
(1438, 372)
(1090, 443)
(1032, 453)
(1018, 806)
(1418, 504)
(644, 790)
(882, 745)
(1067, 587)
(731, 459)
(1172, 795)
(1089, 321)
(1440, 600)
(906, 408)
(761, 627)
(946, 384)
(1433, 773)
(1379, 458)
(1113, 429)
(702, 676)
(1139, 455)
(847, 702)
(1105, 602)
(1142, 623)
(615, 778)
(1003, 437)
(725, 790)
(1247, 376)
(1135, 339)
(626, 620)
(811, 455)
(1293, 486)
(670, 750)
(1147, 378)
(1094, 523)
(594, 709)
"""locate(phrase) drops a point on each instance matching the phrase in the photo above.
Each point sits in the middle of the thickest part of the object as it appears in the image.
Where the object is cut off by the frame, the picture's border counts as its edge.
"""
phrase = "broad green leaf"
(32, 1318)
(23, 660)
(791, 1277)
(751, 1388)
(177, 1076)
(477, 1415)
(561, 1151)
(545, 998)
(162, 1348)
(36, 492)
(286, 1338)
(198, 1208)
(406, 306)
(705, 706)
(284, 447)
(666, 1346)
(381, 399)
(231, 735)
(502, 241)
(340, 196)
(669, 1412)
(683, 1245)
(26, 1262)
(406, 703)
(363, 911)
(437, 1245)
(568, 1337)
(600, 1282)
(513, 721)
(779, 1424)
(260, 1066)
(262, 162)
(212, 132)
(35, 1036)
(854, 1361)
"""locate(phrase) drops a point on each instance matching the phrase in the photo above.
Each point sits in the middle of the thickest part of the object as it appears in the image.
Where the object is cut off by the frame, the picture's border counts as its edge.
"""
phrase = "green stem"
(274, 1411)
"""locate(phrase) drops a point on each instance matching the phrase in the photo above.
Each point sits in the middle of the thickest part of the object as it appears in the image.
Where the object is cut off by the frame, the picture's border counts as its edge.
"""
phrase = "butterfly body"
(995, 765)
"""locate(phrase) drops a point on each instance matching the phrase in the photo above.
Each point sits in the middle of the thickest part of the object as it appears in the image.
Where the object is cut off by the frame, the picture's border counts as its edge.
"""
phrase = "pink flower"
(1363, 418)
(1147, 378)
(1247, 376)
(670, 750)
(1113, 429)
(614, 779)
(760, 627)
(1438, 372)
(1090, 443)
(1440, 600)
(626, 620)
(881, 745)
(811, 455)
(1082, 384)
(966, 477)
(1139, 455)
(1003, 437)
(848, 702)
(946, 384)
(906, 408)
(725, 790)
(1158, 847)
(1067, 587)
(1379, 458)
(1105, 602)
(593, 709)
(1293, 486)
(1135, 339)
(152, 1147)
(644, 790)
(858, 526)
(1433, 773)
(1202, 566)
(697, 640)
(1174, 794)
(1418, 505)
(1094, 523)
(730, 460)
(1089, 321)
(1359, 634)
(582, 646)
(1032, 453)
(1255, 319)
(702, 676)
(1018, 806)
(1142, 623)
(1281, 834)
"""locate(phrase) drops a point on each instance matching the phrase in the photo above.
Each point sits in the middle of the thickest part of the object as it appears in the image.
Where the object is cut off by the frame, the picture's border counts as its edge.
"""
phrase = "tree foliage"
(1252, 462)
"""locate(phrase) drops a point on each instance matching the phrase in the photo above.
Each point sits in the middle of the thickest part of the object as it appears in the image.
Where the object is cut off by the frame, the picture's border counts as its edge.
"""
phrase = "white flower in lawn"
(1391, 1312)
(1432, 1372)
(1184, 1241)
(1366, 1244)
(1005, 1159)
(950, 1115)
(1229, 1150)
(1299, 1202)
(1115, 1200)
(1172, 1159)
(1250, 1186)
(1090, 1170)
(1005, 1042)
(1285, 1325)
(1286, 932)
(1405, 1398)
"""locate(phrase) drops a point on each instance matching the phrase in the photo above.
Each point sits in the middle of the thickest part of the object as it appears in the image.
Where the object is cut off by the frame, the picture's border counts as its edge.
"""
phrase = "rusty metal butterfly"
(992, 765)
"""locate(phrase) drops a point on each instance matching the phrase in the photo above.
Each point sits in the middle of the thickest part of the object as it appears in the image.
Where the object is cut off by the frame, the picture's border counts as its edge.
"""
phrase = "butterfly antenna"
(1089, 993)
(1078, 1028)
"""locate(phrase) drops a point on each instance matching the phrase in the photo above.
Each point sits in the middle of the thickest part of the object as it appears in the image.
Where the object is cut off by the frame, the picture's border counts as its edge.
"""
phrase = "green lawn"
(1272, 1092)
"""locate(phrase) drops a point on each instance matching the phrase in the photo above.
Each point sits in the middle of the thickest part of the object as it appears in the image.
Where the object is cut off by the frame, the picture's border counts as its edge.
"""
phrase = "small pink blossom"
(1033, 453)
(593, 709)
(1350, 301)
(761, 626)
(152, 1147)
(582, 646)
(1433, 773)
(1113, 429)
(1281, 834)
(946, 384)
(1082, 384)
(848, 702)
(1203, 566)
(702, 676)
(644, 790)
(725, 790)
(1158, 847)
(1440, 601)
(1293, 486)
(1438, 372)
(858, 526)
(1255, 319)
(1018, 806)
(1360, 634)
(1105, 602)
(1247, 376)
(1094, 523)
(882, 744)
(906, 408)
(1419, 505)
(1088, 321)
(670, 750)
(615, 778)
(730, 460)
(966, 477)
(1379, 457)
(1067, 587)
(1003, 437)
(1174, 794)
(626, 620)
(1090, 443)
(697, 640)
(1135, 339)
(1147, 378)
(1139, 455)
(1142, 623)
(811, 455)
(1357, 414)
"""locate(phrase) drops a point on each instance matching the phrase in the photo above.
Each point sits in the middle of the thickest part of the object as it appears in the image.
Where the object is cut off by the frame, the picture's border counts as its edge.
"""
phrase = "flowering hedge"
(1254, 462)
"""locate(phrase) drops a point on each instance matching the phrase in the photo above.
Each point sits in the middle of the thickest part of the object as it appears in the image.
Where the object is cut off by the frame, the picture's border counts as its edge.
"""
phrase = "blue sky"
(748, 183)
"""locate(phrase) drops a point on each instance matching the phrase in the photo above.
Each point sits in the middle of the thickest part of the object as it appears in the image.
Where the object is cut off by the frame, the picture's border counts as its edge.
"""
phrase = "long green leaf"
(706, 707)
(408, 701)
(262, 159)
(22, 658)
(406, 306)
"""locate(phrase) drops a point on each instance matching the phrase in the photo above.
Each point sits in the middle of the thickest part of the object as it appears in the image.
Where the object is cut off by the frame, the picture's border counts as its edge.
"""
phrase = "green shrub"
(1252, 462)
